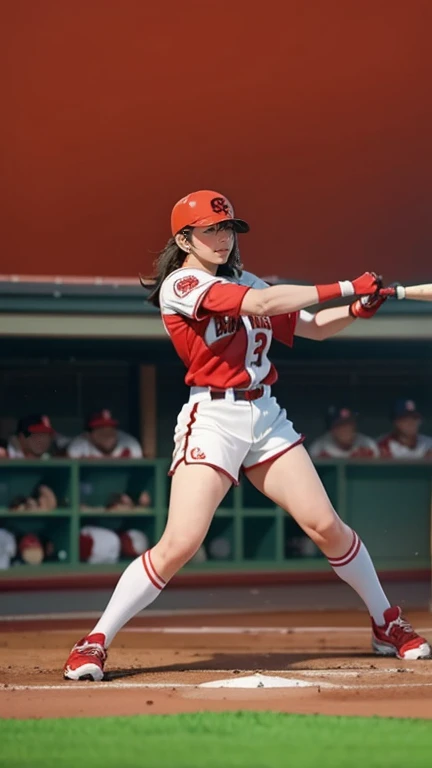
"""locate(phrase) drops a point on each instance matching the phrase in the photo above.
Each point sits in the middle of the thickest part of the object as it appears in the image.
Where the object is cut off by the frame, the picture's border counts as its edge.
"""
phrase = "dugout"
(68, 348)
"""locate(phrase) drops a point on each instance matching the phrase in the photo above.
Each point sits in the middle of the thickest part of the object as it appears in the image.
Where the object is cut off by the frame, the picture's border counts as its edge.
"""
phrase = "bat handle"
(394, 292)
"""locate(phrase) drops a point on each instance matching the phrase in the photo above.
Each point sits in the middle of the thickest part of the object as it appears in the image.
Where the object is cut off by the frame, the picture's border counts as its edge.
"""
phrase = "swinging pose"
(221, 321)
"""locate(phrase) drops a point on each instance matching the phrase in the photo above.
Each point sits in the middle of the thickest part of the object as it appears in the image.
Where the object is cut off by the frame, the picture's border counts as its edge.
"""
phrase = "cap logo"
(185, 285)
(106, 414)
(410, 405)
(220, 205)
(45, 421)
(345, 413)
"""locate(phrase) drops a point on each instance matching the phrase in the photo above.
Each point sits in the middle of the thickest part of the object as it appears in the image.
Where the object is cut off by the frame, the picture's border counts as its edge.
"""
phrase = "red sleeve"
(284, 326)
(223, 299)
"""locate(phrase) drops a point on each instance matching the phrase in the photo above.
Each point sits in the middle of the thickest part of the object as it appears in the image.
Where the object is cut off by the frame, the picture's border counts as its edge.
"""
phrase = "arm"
(329, 322)
(323, 324)
(283, 299)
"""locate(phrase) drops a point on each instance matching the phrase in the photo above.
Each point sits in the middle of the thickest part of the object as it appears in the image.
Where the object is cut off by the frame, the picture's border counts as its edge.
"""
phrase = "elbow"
(264, 303)
(262, 308)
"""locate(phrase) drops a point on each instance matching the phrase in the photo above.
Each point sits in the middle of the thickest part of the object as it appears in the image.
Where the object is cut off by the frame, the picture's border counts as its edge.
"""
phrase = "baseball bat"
(415, 292)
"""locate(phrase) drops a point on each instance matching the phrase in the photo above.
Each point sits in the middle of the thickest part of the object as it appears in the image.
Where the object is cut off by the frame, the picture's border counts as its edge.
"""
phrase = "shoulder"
(128, 441)
(183, 291)
(78, 446)
(319, 444)
(367, 441)
(13, 449)
(184, 281)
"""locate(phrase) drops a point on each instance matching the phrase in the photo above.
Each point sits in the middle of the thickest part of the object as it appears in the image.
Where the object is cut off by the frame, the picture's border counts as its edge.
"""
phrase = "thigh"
(292, 482)
(196, 492)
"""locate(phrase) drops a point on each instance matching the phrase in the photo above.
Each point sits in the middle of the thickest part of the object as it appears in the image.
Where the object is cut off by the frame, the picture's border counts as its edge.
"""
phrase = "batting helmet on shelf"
(203, 209)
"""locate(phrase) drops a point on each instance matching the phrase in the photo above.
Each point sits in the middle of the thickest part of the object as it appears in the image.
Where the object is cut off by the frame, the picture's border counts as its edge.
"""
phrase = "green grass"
(223, 740)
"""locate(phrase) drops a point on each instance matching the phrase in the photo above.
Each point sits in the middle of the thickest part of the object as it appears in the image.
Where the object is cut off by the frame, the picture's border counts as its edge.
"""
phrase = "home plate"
(258, 681)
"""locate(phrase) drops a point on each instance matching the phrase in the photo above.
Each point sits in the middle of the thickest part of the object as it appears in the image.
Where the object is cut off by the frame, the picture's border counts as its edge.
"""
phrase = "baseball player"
(405, 440)
(102, 439)
(221, 321)
(342, 441)
(33, 439)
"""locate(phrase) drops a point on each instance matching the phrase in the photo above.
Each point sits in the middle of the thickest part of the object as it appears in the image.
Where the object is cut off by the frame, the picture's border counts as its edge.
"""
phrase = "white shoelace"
(92, 649)
(405, 626)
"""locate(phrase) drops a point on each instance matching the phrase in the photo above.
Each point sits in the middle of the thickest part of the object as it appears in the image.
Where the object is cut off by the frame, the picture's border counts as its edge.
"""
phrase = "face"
(408, 426)
(345, 433)
(37, 444)
(104, 438)
(211, 246)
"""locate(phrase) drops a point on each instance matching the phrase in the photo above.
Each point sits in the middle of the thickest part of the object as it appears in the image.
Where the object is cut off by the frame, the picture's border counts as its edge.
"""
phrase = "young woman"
(221, 321)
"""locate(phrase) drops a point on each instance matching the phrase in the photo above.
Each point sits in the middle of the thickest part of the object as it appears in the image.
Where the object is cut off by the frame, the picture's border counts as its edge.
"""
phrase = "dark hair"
(172, 257)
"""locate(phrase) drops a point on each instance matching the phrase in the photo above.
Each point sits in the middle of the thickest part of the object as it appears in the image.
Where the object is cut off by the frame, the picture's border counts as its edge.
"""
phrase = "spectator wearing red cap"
(33, 438)
(405, 440)
(342, 441)
(103, 439)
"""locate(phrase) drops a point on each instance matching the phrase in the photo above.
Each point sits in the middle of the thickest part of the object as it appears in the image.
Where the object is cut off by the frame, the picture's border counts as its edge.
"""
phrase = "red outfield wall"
(313, 116)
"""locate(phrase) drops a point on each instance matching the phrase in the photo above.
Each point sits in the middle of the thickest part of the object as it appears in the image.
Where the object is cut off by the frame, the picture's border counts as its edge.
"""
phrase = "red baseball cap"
(101, 419)
(29, 541)
(35, 423)
(202, 209)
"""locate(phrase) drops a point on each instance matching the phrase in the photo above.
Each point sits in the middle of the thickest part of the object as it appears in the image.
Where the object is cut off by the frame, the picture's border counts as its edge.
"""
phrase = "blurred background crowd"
(36, 438)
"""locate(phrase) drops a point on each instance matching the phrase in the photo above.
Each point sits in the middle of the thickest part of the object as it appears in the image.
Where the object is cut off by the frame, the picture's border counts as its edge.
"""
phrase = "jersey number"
(259, 348)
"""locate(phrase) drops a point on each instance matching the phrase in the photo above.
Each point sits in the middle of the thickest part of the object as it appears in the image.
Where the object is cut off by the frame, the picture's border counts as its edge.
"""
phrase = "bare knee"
(173, 552)
(327, 530)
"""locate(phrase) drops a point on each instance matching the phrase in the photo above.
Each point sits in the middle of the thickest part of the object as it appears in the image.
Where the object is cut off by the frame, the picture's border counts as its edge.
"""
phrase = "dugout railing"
(387, 502)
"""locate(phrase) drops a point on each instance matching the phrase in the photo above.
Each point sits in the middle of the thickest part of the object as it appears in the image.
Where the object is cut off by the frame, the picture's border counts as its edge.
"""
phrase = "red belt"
(239, 394)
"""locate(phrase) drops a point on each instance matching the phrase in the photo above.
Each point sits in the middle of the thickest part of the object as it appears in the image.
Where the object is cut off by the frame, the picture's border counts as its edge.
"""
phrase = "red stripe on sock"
(148, 572)
(155, 573)
(337, 562)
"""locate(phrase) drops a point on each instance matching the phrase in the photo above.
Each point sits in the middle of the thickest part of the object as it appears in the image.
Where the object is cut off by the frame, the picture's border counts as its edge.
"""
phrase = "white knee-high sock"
(137, 587)
(357, 569)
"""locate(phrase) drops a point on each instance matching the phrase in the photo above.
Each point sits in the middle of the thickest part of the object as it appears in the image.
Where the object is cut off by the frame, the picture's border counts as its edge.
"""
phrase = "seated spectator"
(102, 439)
(405, 440)
(342, 441)
(33, 438)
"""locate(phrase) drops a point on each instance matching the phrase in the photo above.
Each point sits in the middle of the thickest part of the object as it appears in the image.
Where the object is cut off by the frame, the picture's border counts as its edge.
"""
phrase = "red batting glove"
(365, 285)
(367, 306)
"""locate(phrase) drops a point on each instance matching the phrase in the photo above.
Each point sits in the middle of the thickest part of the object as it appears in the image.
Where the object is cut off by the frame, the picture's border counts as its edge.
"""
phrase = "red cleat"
(397, 638)
(86, 659)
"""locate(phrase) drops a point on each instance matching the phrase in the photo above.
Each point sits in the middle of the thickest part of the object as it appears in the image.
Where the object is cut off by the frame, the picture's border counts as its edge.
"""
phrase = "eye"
(209, 230)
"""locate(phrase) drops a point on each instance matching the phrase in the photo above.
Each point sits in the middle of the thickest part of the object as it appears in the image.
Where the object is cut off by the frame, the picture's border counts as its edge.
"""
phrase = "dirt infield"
(159, 665)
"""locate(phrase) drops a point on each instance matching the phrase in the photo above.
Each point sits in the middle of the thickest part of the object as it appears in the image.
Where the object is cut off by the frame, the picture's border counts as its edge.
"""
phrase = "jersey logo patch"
(185, 285)
(198, 454)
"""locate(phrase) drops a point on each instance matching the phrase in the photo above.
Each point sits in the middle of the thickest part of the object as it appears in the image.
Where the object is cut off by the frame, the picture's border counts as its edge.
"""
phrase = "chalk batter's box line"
(173, 686)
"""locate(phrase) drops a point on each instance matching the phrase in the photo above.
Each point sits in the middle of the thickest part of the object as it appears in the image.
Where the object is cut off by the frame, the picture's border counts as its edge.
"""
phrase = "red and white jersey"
(325, 447)
(14, 450)
(219, 347)
(391, 448)
(126, 448)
